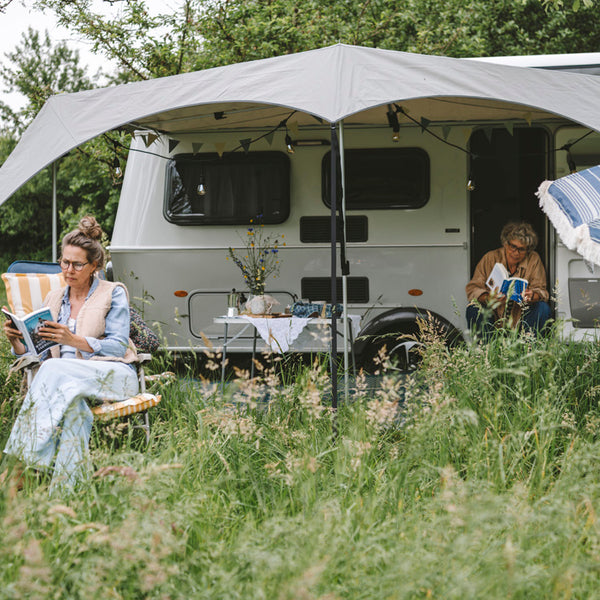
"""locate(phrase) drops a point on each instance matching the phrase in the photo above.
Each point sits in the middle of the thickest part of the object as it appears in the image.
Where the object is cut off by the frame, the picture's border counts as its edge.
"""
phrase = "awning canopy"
(330, 84)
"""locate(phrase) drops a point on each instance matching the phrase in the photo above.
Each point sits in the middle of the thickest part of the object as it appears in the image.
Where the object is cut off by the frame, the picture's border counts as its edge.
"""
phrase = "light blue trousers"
(54, 424)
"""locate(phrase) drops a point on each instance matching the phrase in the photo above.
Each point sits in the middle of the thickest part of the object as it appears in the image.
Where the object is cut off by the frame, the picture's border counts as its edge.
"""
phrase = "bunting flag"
(293, 127)
(467, 133)
(220, 148)
(488, 133)
(173, 144)
(196, 147)
(245, 143)
(269, 137)
(510, 127)
(527, 117)
(424, 124)
(445, 131)
(150, 139)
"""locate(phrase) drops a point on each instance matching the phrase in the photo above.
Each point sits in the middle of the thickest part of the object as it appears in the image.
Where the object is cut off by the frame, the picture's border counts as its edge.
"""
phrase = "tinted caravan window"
(379, 178)
(203, 189)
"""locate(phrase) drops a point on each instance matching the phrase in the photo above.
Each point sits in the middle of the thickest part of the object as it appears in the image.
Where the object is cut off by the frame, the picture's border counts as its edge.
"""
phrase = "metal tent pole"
(333, 349)
(344, 266)
(54, 214)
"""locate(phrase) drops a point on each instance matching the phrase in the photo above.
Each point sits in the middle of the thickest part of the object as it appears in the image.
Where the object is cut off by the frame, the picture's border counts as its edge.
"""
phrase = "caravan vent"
(318, 229)
(319, 288)
(584, 300)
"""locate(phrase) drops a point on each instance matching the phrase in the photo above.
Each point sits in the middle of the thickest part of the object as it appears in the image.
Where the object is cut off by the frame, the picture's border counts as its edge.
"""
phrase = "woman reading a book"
(487, 304)
(92, 360)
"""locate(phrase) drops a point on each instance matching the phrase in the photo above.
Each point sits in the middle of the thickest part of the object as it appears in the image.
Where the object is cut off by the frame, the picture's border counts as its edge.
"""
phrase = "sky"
(19, 15)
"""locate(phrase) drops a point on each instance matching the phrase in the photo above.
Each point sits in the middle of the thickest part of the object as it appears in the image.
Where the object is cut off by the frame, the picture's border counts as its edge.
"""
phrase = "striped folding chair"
(27, 283)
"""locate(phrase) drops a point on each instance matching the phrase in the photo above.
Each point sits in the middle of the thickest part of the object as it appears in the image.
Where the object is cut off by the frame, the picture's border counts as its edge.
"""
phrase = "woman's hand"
(528, 296)
(14, 336)
(56, 332)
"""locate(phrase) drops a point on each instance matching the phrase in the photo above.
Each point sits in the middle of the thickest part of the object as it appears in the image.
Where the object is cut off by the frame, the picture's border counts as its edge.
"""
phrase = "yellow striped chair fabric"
(110, 410)
(26, 291)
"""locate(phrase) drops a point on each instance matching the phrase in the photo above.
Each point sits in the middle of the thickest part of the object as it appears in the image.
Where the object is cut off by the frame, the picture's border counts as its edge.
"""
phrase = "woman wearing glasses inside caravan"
(515, 259)
(91, 361)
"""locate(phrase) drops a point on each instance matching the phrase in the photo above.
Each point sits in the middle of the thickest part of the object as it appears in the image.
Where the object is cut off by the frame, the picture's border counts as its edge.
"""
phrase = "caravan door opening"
(506, 171)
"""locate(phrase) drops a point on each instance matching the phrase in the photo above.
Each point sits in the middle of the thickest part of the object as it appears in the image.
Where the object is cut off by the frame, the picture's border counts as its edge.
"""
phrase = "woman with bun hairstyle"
(92, 362)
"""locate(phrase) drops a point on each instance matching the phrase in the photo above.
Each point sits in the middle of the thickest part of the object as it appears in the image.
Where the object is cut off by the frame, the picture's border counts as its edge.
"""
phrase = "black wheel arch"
(404, 320)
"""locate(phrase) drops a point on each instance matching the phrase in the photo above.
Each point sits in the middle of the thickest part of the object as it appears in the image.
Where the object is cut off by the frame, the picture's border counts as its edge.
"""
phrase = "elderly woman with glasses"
(517, 254)
(92, 360)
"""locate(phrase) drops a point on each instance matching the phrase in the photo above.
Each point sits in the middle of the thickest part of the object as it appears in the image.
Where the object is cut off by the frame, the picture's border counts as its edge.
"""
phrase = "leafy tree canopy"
(206, 33)
(199, 34)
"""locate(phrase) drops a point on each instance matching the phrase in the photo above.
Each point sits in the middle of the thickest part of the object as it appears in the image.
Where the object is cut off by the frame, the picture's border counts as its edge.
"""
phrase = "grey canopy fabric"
(330, 84)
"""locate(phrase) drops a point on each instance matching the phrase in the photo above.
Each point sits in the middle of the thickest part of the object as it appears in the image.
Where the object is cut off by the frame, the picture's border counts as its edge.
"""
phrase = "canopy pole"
(54, 214)
(333, 349)
(344, 269)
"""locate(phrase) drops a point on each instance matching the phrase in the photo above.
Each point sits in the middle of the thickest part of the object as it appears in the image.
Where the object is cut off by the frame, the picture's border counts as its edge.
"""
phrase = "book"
(500, 281)
(29, 326)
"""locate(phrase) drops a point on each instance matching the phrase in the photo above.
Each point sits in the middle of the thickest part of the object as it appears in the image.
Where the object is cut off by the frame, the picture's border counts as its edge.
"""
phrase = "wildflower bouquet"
(259, 257)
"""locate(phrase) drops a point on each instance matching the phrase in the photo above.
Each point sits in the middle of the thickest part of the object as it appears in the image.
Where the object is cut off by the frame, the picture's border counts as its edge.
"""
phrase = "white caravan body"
(414, 261)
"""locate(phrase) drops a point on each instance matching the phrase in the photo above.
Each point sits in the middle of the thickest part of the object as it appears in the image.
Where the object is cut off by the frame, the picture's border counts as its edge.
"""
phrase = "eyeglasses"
(518, 249)
(65, 264)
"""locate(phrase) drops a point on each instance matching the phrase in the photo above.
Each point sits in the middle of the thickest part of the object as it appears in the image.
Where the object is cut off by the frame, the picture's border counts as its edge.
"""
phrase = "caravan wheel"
(399, 331)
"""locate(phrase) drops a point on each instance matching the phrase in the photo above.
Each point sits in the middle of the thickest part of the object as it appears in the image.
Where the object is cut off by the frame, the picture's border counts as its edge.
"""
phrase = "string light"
(116, 165)
(201, 190)
(392, 117)
(289, 144)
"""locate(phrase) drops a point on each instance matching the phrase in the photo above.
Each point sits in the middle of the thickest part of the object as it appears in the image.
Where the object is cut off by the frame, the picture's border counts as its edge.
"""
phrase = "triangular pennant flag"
(196, 147)
(424, 124)
(467, 133)
(445, 131)
(293, 127)
(269, 137)
(134, 134)
(150, 139)
(173, 144)
(220, 148)
(510, 126)
(488, 133)
(527, 117)
(245, 143)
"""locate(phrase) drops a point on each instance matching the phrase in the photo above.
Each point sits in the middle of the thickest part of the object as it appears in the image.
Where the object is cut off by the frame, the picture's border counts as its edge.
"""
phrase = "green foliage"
(84, 186)
(38, 70)
(200, 34)
(475, 478)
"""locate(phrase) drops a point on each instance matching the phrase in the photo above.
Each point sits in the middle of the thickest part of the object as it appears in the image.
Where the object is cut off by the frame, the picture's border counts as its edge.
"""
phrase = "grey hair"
(519, 231)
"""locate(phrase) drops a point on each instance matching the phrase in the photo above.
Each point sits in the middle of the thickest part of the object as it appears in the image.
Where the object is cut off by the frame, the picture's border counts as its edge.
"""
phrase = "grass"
(476, 478)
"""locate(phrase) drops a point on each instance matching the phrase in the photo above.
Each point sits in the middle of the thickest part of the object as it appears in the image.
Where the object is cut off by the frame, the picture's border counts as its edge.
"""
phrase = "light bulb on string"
(392, 118)
(201, 190)
(289, 144)
(116, 165)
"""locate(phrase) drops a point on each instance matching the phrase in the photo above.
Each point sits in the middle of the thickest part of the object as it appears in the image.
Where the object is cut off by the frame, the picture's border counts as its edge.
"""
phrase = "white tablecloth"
(280, 333)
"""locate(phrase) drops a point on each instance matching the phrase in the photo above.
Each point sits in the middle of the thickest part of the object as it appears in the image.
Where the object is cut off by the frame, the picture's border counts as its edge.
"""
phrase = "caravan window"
(204, 189)
(379, 178)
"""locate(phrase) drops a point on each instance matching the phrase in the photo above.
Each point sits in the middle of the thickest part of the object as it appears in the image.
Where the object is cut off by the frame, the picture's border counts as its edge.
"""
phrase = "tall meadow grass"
(477, 477)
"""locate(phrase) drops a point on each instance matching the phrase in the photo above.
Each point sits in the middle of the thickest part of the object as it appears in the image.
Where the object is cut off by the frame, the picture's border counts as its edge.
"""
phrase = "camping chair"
(27, 284)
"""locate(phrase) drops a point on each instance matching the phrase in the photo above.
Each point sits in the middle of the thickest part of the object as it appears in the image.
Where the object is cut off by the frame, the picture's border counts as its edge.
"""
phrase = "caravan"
(437, 154)
(422, 207)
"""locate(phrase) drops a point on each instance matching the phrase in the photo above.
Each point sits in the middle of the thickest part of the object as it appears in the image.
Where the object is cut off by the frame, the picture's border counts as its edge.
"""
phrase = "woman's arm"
(116, 331)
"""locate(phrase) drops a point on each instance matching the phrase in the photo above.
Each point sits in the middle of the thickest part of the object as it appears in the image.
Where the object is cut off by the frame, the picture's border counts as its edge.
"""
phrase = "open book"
(501, 282)
(29, 326)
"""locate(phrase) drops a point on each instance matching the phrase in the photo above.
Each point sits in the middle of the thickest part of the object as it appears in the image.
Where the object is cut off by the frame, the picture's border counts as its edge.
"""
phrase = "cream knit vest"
(91, 319)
